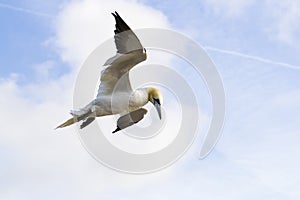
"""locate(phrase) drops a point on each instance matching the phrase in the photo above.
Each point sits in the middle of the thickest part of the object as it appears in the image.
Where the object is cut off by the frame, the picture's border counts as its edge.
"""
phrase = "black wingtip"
(115, 14)
(117, 129)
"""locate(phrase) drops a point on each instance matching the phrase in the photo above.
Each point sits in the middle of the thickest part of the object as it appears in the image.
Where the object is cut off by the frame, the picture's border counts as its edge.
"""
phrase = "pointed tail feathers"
(66, 123)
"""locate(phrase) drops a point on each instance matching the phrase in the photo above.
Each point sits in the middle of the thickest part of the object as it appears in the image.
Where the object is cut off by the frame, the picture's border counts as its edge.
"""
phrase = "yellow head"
(155, 97)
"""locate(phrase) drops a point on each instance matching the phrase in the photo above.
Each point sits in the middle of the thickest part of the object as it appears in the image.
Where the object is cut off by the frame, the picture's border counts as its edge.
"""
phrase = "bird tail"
(67, 123)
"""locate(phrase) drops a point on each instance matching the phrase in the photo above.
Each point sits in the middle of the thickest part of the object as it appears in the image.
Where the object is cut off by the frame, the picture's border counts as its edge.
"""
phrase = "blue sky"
(249, 32)
(24, 36)
(257, 156)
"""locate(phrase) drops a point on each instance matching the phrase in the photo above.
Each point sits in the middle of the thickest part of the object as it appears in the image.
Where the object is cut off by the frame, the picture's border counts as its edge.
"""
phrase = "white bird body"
(115, 95)
(118, 103)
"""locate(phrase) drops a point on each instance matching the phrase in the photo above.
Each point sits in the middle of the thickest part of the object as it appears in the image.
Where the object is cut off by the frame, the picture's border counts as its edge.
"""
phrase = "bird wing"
(130, 52)
(87, 122)
(125, 39)
(130, 119)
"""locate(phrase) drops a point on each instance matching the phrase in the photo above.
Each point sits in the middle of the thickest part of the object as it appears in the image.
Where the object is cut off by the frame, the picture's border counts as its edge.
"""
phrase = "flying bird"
(115, 94)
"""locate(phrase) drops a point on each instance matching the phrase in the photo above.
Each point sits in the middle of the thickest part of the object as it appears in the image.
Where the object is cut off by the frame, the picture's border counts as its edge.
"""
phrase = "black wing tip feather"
(121, 25)
(115, 14)
(117, 129)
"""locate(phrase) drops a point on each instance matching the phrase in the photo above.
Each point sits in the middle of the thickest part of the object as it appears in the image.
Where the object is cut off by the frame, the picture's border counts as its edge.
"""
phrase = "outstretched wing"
(130, 52)
(130, 119)
(125, 39)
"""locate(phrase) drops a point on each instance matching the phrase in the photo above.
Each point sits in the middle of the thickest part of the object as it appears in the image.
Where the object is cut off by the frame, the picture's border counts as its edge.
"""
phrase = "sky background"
(255, 47)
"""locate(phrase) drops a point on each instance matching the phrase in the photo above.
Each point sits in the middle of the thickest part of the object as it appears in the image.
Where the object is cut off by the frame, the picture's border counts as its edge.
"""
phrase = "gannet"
(115, 95)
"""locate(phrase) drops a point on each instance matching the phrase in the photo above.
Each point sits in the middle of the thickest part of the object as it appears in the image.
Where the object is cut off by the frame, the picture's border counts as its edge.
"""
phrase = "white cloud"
(281, 18)
(39, 163)
(286, 16)
(231, 8)
(84, 25)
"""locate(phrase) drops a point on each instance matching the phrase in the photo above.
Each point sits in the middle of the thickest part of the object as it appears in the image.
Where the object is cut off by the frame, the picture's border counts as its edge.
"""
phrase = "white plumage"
(115, 95)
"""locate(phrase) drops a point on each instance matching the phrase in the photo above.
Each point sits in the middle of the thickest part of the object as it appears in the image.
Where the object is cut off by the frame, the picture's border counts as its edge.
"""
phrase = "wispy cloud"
(25, 10)
(286, 15)
(39, 163)
(256, 58)
(233, 8)
(210, 48)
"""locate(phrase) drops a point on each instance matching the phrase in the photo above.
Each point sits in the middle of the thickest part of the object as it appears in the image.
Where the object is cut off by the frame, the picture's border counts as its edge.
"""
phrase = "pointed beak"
(157, 106)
